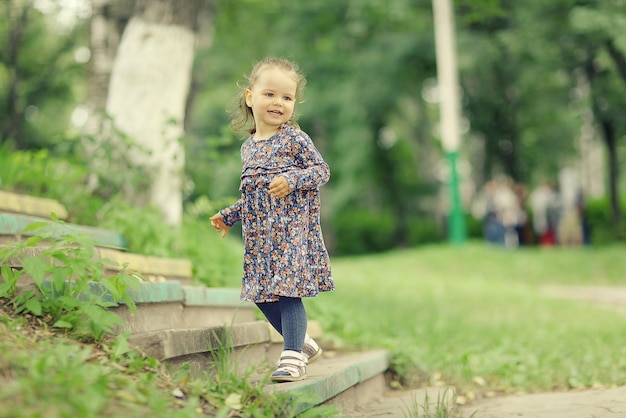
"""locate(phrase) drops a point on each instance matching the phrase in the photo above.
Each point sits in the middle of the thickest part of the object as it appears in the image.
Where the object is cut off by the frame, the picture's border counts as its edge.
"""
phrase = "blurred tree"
(371, 71)
(40, 76)
(517, 92)
(147, 96)
(106, 25)
(598, 28)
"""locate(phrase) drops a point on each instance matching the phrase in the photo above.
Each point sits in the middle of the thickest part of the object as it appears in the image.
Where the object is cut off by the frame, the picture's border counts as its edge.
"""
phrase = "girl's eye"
(269, 94)
(288, 98)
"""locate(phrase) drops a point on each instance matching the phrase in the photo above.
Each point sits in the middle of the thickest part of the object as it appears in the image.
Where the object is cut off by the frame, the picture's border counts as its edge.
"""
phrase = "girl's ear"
(248, 94)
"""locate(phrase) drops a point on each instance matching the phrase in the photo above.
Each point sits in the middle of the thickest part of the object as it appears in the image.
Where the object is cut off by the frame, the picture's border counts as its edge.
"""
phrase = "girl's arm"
(312, 171)
(232, 214)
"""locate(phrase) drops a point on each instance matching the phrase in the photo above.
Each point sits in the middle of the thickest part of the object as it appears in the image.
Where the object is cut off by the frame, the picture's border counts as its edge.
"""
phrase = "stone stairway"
(178, 323)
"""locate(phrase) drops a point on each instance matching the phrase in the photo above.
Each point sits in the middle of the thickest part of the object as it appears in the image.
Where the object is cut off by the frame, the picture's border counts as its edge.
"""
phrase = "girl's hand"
(279, 187)
(217, 221)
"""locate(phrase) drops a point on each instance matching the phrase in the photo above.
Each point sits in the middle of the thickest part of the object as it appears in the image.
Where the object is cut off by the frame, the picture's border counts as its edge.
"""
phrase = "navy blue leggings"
(288, 317)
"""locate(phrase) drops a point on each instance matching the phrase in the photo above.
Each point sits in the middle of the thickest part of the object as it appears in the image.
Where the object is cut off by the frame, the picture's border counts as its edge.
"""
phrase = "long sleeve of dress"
(311, 170)
(232, 214)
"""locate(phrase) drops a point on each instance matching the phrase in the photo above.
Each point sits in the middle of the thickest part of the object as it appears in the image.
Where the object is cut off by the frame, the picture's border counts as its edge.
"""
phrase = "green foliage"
(423, 231)
(474, 227)
(59, 377)
(361, 231)
(40, 173)
(47, 374)
(143, 228)
(55, 376)
(598, 216)
(216, 262)
(41, 80)
(117, 164)
(57, 280)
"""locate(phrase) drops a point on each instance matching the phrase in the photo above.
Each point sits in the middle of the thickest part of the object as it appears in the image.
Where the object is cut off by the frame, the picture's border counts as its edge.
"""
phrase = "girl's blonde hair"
(241, 113)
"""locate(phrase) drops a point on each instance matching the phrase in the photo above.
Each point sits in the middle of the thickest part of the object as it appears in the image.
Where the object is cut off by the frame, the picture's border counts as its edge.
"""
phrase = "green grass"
(476, 317)
(48, 375)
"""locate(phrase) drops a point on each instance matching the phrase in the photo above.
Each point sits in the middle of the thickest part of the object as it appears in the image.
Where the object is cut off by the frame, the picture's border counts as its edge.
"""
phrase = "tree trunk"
(608, 130)
(13, 131)
(618, 58)
(610, 139)
(148, 91)
(108, 20)
(107, 23)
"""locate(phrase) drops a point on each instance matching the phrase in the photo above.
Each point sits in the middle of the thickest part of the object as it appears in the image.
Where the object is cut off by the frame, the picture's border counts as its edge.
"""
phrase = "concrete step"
(242, 345)
(350, 382)
(174, 306)
(153, 269)
(170, 305)
(12, 228)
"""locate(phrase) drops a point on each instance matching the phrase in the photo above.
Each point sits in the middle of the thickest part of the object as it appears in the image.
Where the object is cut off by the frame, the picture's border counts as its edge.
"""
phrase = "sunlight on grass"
(476, 316)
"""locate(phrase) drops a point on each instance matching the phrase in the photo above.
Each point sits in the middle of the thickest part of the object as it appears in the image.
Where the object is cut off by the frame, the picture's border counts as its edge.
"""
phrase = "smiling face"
(272, 98)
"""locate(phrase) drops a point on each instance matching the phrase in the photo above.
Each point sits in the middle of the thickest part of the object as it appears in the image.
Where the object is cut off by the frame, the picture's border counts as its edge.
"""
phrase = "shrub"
(38, 173)
(423, 231)
(598, 217)
(359, 231)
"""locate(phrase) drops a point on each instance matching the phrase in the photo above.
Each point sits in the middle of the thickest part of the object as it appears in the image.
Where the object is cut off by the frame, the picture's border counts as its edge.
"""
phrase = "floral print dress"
(284, 250)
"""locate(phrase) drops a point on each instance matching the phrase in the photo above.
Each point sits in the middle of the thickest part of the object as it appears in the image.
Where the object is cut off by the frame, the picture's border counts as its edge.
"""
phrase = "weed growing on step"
(236, 392)
(59, 276)
(443, 407)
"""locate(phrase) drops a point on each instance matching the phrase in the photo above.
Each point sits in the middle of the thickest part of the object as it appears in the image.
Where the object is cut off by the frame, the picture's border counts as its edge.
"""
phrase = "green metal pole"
(457, 233)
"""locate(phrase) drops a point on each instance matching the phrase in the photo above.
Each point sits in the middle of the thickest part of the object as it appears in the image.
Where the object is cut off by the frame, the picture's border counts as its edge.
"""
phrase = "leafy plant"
(142, 227)
(117, 163)
(49, 176)
(56, 279)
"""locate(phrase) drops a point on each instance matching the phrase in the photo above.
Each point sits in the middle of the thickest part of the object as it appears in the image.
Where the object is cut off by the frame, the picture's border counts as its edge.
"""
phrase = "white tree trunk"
(147, 93)
(107, 22)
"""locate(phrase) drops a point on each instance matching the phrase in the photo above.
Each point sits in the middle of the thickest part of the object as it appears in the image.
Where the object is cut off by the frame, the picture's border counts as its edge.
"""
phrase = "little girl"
(285, 258)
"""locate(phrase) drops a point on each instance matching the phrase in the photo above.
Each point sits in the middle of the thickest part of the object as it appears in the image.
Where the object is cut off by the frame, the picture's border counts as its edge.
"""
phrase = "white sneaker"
(291, 367)
(310, 349)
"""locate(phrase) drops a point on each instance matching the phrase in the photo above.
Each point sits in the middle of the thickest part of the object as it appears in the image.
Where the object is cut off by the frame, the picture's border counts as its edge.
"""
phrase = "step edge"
(355, 372)
(172, 343)
(213, 296)
(147, 264)
(14, 224)
(31, 205)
